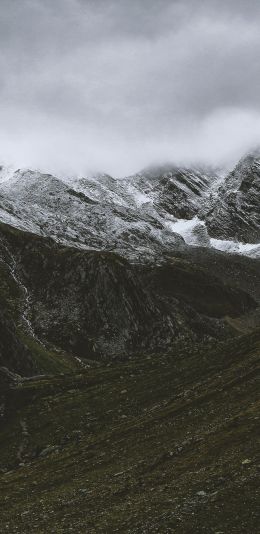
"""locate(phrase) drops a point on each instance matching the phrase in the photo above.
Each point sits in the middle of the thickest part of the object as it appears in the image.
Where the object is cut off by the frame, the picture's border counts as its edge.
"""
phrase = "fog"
(116, 85)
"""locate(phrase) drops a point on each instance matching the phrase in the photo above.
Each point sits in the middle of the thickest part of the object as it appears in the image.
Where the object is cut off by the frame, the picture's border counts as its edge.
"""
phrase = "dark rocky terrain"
(236, 214)
(129, 357)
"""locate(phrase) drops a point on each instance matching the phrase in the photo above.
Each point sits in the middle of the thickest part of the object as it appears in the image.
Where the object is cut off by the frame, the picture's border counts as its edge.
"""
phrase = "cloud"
(116, 85)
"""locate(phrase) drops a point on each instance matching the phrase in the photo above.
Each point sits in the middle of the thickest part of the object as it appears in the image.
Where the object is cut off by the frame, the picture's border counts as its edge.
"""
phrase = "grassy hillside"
(152, 445)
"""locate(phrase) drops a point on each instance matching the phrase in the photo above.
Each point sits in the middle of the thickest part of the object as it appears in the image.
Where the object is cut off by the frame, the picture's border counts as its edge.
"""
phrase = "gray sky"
(115, 85)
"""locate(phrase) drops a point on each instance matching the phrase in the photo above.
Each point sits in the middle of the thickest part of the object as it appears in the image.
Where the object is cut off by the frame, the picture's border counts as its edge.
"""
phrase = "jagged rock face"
(236, 211)
(89, 303)
(94, 305)
(174, 191)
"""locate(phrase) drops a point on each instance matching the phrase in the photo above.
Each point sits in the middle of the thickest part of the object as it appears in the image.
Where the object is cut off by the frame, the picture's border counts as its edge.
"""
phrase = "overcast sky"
(115, 85)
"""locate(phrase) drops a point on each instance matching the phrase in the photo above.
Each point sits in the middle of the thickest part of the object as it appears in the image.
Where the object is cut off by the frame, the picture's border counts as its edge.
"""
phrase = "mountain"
(103, 268)
(143, 216)
(93, 214)
(128, 350)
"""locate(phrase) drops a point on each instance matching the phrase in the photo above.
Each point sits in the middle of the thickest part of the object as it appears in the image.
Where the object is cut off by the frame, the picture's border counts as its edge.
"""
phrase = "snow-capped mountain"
(142, 216)
(93, 214)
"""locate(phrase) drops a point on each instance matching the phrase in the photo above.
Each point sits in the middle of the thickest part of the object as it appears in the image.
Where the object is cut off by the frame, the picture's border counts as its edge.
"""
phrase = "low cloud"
(115, 86)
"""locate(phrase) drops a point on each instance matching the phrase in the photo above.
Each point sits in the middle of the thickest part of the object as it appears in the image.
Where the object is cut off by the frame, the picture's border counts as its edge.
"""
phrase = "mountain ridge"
(141, 216)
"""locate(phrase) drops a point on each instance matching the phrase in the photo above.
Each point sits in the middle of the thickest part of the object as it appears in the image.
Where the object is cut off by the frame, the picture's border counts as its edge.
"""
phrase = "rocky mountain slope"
(97, 305)
(235, 214)
(129, 349)
(93, 214)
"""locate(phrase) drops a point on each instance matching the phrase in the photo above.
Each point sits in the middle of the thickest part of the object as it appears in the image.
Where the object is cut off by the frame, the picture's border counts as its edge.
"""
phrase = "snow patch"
(235, 247)
(193, 231)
